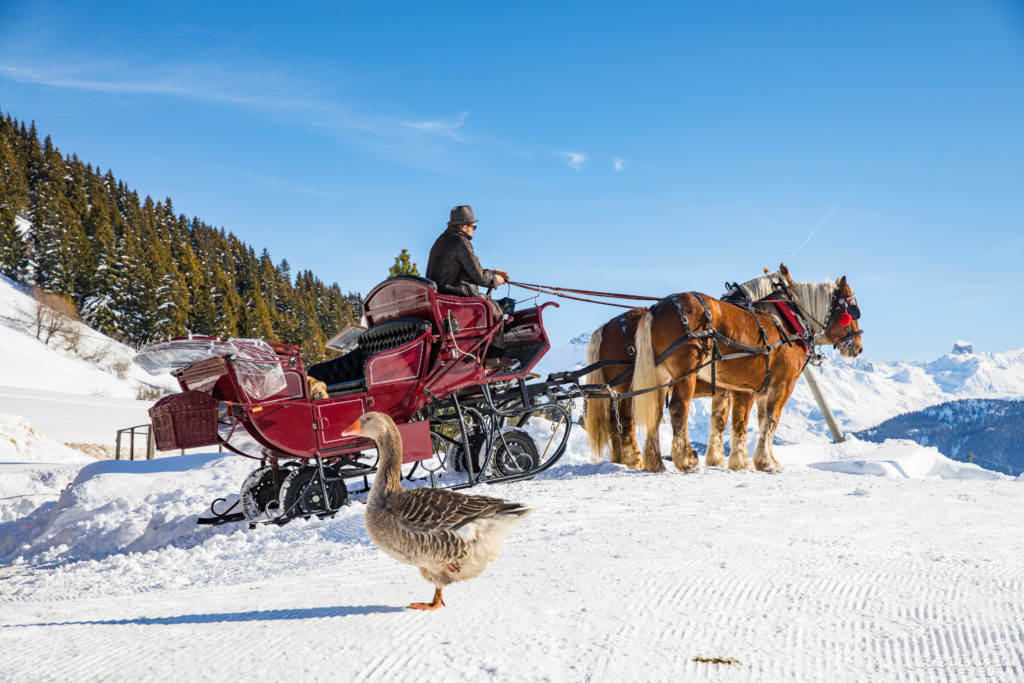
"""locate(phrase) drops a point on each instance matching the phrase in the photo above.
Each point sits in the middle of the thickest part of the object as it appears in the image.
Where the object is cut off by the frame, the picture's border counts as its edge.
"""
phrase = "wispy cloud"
(266, 90)
(183, 83)
(618, 164)
(423, 142)
(573, 160)
(448, 127)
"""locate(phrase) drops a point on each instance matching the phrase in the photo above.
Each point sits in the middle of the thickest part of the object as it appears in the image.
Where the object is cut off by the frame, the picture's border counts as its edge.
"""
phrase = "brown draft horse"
(654, 330)
(611, 342)
(740, 403)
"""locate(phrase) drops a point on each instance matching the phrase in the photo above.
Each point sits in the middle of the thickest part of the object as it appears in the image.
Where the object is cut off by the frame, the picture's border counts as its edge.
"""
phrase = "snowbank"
(33, 469)
(124, 507)
(893, 458)
(20, 442)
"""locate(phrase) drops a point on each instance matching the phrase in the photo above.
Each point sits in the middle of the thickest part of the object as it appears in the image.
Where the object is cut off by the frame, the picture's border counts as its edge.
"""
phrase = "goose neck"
(389, 469)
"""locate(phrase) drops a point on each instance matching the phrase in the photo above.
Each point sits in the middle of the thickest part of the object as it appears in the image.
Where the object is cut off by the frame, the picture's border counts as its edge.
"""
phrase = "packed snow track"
(811, 574)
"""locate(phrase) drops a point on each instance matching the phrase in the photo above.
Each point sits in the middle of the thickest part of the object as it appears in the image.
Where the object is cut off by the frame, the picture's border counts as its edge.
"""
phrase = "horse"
(614, 340)
(701, 328)
(738, 402)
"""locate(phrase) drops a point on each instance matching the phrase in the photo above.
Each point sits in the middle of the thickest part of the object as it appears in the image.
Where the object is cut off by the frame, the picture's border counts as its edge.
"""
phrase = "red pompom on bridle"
(845, 319)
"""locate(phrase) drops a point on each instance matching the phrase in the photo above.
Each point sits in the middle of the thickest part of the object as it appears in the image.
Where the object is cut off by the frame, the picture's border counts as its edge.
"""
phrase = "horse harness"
(711, 337)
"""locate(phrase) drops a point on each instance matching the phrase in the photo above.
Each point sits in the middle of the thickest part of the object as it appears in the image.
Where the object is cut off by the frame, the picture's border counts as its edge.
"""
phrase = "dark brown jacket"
(454, 267)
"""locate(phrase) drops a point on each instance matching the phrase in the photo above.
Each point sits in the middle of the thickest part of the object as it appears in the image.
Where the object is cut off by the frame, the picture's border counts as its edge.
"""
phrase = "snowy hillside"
(97, 366)
(79, 388)
(862, 393)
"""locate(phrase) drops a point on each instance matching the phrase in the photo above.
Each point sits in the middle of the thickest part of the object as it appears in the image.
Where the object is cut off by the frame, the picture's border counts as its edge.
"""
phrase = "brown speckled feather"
(432, 510)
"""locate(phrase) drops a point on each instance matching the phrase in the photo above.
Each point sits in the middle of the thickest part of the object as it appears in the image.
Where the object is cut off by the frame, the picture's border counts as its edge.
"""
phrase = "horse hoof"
(687, 466)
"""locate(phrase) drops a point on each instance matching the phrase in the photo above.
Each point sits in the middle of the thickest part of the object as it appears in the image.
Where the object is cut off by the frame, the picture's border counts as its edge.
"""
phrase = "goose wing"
(436, 510)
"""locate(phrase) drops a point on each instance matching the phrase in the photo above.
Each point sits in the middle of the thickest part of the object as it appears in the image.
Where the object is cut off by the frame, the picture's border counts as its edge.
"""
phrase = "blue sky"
(637, 147)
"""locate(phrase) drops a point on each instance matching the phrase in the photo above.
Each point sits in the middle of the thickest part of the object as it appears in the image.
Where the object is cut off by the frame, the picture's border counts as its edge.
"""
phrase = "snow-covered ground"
(859, 561)
(820, 573)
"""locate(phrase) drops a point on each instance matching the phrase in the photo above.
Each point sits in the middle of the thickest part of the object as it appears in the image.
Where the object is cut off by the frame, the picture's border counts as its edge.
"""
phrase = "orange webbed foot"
(427, 606)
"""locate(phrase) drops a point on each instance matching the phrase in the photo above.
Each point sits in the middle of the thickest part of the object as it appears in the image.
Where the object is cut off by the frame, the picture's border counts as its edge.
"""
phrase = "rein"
(560, 292)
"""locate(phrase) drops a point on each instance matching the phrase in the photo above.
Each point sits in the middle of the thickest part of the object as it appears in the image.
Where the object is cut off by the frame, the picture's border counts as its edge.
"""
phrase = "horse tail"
(647, 407)
(597, 420)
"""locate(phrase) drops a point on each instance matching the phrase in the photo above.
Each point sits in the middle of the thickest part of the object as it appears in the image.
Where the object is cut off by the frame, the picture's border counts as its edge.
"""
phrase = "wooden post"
(150, 444)
(830, 419)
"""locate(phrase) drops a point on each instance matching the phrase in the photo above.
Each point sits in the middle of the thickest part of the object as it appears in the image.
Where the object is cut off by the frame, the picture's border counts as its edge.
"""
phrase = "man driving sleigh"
(453, 265)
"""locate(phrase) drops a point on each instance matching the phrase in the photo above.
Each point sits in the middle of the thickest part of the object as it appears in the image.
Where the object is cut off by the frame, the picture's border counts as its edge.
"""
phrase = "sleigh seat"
(346, 374)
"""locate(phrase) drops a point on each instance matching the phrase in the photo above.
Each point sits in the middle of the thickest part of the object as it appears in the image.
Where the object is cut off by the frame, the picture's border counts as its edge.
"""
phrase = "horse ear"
(766, 271)
(837, 281)
(783, 269)
(841, 282)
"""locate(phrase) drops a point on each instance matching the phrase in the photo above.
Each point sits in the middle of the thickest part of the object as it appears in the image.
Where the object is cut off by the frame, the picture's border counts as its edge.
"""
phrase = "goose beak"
(354, 429)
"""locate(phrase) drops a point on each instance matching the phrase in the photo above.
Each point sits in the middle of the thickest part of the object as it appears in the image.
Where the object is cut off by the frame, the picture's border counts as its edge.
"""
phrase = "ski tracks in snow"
(733, 576)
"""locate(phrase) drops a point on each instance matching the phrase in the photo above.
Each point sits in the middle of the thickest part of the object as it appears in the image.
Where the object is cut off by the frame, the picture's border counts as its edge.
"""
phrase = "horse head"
(841, 327)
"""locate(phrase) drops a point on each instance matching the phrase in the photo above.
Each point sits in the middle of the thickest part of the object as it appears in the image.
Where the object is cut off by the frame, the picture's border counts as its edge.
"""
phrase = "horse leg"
(742, 402)
(616, 450)
(652, 461)
(721, 404)
(769, 408)
(682, 454)
(624, 445)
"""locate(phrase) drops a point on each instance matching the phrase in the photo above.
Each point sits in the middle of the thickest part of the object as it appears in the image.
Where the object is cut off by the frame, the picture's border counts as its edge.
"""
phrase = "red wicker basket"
(185, 420)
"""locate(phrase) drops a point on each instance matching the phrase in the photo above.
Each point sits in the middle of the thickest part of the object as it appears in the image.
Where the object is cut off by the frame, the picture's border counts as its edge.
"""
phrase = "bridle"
(842, 306)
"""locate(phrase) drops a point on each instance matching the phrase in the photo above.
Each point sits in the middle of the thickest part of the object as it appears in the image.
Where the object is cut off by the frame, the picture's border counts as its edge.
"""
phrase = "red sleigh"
(452, 377)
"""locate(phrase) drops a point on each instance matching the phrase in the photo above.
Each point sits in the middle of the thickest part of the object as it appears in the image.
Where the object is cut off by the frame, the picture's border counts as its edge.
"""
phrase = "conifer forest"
(137, 271)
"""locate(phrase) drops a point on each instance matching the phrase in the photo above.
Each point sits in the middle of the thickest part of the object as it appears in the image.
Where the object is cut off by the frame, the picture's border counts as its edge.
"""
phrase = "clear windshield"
(257, 366)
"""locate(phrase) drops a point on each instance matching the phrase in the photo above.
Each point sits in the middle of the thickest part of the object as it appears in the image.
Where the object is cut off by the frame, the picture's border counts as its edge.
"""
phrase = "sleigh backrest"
(411, 296)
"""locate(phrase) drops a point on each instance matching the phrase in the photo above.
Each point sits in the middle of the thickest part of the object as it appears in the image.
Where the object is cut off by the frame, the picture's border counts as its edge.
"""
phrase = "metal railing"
(146, 432)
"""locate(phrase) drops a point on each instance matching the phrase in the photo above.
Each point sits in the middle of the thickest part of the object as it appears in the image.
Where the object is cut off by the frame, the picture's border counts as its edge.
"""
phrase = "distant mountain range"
(892, 398)
(985, 431)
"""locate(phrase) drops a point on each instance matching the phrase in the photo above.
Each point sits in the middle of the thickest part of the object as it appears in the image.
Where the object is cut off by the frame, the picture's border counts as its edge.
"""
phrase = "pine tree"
(101, 307)
(61, 250)
(403, 266)
(13, 250)
(13, 183)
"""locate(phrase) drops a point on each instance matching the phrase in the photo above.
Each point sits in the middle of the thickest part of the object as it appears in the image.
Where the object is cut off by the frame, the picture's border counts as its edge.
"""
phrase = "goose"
(447, 535)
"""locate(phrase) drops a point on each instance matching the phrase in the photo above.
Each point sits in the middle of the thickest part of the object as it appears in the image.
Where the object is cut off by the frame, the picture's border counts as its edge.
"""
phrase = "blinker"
(854, 311)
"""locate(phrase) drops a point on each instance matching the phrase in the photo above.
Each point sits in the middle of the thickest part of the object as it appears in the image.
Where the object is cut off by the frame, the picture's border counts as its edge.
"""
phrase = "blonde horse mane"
(760, 286)
(814, 299)
(597, 420)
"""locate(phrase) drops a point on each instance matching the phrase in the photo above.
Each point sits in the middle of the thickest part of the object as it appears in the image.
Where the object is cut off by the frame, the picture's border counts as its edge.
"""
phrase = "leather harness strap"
(630, 349)
(682, 314)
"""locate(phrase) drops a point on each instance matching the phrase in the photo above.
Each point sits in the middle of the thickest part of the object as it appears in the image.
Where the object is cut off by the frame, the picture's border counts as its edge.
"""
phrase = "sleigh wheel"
(302, 495)
(513, 452)
(260, 492)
